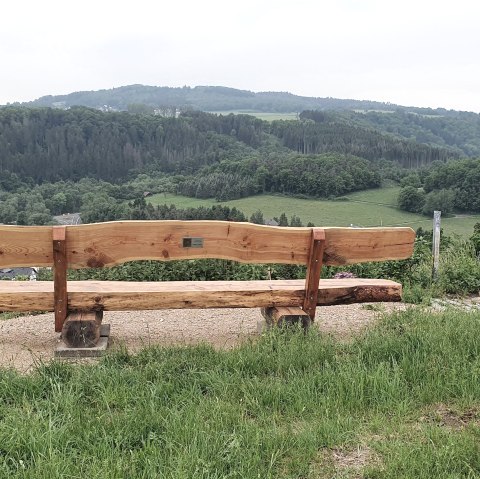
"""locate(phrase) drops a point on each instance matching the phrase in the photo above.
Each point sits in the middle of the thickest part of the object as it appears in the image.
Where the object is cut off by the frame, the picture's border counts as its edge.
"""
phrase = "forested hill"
(50, 144)
(455, 130)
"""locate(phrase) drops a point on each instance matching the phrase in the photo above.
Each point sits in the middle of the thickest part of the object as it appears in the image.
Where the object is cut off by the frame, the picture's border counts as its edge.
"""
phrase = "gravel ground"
(29, 340)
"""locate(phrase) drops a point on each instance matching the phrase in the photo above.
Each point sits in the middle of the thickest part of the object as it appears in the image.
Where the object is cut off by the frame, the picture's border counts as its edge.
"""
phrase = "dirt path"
(29, 340)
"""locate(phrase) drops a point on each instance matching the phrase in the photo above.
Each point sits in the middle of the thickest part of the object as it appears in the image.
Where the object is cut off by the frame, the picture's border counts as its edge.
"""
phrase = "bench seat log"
(126, 296)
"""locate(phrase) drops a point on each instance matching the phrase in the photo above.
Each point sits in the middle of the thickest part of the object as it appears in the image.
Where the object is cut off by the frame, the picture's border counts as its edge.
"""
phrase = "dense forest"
(323, 176)
(50, 144)
(459, 131)
(455, 130)
(332, 134)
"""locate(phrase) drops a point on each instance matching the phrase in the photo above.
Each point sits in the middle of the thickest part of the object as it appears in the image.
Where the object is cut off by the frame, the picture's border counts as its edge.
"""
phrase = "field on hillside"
(267, 116)
(367, 208)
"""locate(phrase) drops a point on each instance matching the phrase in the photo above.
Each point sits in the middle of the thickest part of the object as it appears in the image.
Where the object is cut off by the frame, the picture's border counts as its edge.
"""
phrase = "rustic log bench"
(79, 305)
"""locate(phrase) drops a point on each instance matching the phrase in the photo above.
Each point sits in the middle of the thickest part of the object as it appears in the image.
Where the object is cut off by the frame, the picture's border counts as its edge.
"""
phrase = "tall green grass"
(275, 408)
(459, 270)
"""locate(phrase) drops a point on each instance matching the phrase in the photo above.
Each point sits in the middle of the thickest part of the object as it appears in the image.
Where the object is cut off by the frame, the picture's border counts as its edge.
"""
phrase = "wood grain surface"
(125, 296)
(314, 271)
(25, 246)
(108, 244)
(59, 275)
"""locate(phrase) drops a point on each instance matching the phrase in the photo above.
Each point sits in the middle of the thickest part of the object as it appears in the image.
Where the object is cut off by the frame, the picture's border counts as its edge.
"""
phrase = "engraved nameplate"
(192, 242)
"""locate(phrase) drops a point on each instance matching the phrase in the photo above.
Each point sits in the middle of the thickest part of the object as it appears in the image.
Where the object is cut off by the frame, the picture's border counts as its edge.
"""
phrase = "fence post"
(436, 243)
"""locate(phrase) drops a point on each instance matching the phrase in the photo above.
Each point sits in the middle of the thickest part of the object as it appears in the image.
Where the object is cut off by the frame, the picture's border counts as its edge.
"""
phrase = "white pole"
(436, 243)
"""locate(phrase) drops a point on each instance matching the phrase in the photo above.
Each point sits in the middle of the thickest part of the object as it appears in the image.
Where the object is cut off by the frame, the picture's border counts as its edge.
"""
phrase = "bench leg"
(81, 329)
(286, 316)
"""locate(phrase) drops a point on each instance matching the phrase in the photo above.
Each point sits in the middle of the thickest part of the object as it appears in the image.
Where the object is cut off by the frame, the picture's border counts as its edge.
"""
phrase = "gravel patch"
(30, 340)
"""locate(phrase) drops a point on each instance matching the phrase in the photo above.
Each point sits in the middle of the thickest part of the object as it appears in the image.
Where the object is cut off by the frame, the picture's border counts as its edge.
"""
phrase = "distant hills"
(215, 98)
(459, 132)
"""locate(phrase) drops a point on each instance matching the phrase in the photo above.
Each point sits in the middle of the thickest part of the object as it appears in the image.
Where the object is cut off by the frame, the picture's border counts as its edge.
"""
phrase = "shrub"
(475, 238)
(459, 271)
(411, 199)
(442, 200)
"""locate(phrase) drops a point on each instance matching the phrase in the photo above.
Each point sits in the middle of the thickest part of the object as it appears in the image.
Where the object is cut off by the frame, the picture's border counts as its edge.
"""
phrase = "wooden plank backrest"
(109, 244)
(25, 246)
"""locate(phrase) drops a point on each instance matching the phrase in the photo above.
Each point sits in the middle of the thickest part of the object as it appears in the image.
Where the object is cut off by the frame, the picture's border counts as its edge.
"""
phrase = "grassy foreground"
(401, 402)
(366, 208)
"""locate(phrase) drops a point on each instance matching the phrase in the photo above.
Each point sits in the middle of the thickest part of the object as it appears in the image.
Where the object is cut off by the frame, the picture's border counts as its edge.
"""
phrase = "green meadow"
(366, 208)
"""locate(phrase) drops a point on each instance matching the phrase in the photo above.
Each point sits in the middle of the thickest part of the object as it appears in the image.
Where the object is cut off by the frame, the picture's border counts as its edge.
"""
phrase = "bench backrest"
(112, 243)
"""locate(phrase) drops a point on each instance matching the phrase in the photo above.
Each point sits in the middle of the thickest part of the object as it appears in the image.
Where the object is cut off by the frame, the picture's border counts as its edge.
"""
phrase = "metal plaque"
(192, 242)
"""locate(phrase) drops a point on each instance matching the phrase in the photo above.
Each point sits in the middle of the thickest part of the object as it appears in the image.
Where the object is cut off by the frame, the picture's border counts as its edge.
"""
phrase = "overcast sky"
(409, 52)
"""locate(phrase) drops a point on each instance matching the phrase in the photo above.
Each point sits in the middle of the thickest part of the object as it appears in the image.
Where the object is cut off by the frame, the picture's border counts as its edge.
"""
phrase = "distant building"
(271, 223)
(61, 105)
(107, 108)
(14, 273)
(167, 112)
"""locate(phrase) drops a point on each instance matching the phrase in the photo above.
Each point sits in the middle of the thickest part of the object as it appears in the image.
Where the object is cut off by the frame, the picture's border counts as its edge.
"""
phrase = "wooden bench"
(78, 305)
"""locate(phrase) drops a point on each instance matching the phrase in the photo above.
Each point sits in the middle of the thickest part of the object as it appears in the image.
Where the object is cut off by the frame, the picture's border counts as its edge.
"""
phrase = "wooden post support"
(286, 316)
(314, 270)
(82, 329)
(60, 276)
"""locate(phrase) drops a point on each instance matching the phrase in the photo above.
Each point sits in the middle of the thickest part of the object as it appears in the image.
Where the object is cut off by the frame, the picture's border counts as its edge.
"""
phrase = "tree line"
(454, 185)
(28, 204)
(320, 176)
